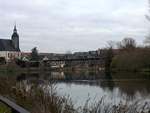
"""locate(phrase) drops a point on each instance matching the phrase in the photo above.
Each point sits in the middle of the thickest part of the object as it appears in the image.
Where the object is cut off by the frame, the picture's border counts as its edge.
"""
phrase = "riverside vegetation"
(128, 57)
(44, 99)
(4, 108)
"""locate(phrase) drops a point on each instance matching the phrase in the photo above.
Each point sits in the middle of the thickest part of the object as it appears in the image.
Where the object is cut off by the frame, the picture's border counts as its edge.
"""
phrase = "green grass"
(4, 108)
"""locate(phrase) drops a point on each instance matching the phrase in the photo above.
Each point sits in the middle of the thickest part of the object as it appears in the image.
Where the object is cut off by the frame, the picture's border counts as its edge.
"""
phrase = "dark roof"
(7, 45)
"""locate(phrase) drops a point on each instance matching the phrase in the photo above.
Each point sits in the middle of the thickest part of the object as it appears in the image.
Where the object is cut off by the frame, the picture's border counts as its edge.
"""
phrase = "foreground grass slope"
(4, 108)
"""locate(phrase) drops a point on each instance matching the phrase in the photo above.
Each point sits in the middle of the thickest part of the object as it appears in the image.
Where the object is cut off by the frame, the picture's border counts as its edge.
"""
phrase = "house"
(9, 48)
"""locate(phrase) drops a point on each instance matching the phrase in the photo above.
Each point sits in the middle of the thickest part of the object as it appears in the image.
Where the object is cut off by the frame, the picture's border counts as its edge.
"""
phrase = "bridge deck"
(78, 59)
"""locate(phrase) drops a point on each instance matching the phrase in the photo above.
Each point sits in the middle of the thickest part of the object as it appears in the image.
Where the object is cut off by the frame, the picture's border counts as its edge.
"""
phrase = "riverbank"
(41, 99)
(146, 70)
(15, 68)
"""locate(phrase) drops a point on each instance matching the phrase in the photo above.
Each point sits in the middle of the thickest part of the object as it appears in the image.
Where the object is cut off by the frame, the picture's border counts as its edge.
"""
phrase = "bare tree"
(127, 43)
(111, 44)
(147, 39)
(148, 16)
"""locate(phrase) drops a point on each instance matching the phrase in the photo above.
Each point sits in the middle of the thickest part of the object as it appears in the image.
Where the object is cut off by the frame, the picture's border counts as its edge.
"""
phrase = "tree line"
(128, 56)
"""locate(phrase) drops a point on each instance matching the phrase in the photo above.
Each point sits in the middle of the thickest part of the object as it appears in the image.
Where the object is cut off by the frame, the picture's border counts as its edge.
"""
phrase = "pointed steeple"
(15, 29)
(15, 39)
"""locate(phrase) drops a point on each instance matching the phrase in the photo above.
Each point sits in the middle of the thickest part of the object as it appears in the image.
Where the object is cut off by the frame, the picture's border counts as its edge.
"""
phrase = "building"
(9, 48)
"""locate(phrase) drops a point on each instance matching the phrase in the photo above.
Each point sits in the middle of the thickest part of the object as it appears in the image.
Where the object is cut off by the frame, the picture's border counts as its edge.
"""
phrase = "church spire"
(15, 38)
(15, 29)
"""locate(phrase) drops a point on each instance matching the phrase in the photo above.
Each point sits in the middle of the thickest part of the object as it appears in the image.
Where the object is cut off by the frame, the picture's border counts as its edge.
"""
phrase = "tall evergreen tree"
(34, 54)
(109, 56)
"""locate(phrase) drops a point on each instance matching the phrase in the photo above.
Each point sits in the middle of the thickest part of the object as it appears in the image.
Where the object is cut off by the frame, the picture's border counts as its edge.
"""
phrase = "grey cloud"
(79, 25)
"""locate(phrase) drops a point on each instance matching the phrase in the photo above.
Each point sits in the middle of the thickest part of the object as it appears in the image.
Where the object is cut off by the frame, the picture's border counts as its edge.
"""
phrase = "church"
(9, 48)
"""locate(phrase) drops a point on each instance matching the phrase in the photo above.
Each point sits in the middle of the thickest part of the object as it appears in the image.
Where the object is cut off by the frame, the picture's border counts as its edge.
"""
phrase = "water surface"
(81, 86)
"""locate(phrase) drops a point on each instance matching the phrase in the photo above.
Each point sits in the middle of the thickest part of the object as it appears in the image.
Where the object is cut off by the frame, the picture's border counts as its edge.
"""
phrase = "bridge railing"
(14, 107)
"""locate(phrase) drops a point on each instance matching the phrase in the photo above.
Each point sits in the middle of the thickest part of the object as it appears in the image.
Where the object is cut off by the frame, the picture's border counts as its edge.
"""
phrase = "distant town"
(10, 50)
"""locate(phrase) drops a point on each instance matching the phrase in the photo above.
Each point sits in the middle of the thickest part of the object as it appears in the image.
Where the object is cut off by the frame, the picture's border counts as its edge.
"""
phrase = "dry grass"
(38, 99)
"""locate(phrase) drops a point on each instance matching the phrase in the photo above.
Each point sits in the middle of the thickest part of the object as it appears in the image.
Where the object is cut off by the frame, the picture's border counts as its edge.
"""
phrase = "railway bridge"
(73, 62)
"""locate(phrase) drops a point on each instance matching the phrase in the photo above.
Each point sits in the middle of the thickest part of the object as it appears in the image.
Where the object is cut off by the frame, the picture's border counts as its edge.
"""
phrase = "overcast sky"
(75, 25)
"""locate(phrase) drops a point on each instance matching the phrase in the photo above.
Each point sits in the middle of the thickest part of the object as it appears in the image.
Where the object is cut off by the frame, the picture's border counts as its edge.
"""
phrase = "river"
(81, 86)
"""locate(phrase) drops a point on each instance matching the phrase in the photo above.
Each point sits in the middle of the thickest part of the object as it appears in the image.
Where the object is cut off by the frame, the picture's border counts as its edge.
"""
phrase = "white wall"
(9, 55)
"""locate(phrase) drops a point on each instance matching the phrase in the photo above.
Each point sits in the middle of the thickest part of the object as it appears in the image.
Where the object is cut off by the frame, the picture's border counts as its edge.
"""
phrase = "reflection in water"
(94, 85)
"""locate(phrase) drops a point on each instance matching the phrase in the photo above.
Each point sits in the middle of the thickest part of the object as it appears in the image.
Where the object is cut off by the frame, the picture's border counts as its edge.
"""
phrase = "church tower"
(15, 39)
